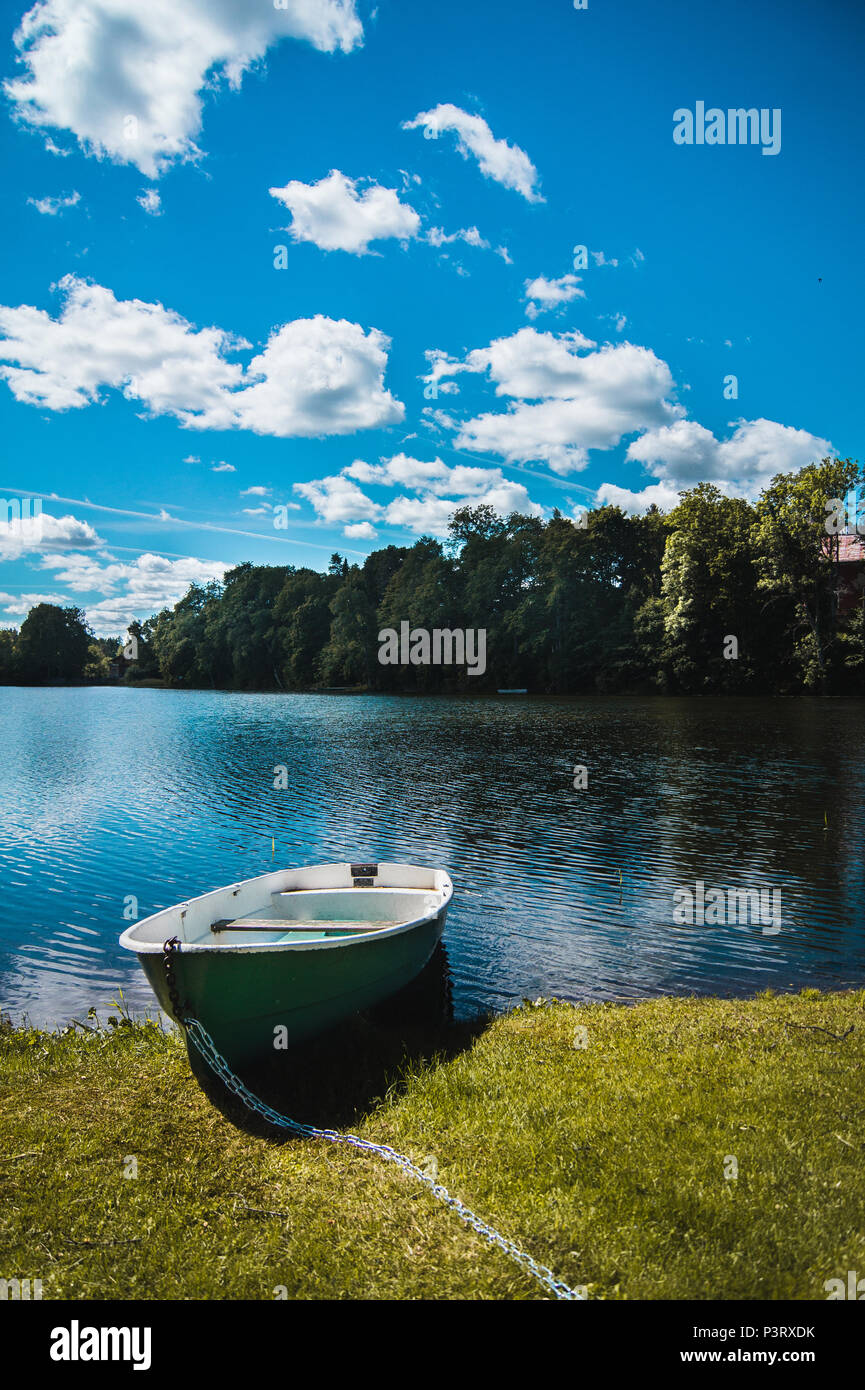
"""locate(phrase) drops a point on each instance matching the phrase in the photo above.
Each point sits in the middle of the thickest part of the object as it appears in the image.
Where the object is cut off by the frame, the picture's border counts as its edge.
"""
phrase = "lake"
(112, 794)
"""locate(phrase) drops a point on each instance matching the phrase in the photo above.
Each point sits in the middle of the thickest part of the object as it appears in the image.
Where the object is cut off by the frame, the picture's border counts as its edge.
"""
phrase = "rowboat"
(284, 956)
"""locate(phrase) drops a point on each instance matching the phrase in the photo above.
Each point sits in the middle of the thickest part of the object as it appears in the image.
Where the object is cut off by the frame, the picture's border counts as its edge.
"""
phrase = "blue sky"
(427, 336)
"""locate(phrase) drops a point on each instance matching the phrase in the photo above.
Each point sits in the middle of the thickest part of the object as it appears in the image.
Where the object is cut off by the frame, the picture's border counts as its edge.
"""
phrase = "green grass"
(607, 1162)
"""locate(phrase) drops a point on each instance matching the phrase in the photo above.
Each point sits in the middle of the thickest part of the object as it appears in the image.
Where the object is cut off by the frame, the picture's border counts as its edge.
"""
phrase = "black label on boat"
(363, 882)
(364, 871)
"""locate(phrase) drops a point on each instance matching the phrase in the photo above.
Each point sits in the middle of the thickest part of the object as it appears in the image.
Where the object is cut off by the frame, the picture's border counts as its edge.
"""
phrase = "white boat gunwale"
(171, 919)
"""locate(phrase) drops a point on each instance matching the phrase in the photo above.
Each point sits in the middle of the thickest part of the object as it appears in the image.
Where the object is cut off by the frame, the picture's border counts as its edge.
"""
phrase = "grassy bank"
(606, 1161)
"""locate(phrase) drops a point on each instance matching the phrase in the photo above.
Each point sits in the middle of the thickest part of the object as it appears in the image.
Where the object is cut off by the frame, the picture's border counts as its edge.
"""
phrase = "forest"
(719, 595)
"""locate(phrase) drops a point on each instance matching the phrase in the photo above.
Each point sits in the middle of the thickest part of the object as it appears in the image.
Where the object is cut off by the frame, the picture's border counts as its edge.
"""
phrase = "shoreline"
(603, 1138)
(467, 696)
(152, 1013)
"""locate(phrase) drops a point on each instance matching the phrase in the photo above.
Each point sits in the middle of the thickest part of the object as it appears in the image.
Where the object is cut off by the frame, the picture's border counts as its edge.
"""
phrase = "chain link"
(205, 1046)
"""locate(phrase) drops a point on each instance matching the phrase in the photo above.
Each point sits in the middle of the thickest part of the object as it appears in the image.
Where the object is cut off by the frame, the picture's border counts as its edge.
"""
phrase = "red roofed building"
(851, 570)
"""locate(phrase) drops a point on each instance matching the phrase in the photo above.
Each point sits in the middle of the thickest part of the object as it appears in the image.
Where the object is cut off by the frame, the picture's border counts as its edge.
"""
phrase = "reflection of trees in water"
(558, 890)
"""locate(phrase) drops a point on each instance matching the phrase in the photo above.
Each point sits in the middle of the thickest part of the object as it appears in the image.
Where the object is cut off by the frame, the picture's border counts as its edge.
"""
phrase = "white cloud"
(619, 320)
(533, 365)
(51, 206)
(222, 468)
(442, 490)
(425, 516)
(507, 164)
(441, 366)
(136, 590)
(361, 531)
(659, 494)
(338, 499)
(150, 201)
(17, 606)
(437, 236)
(685, 453)
(527, 365)
(314, 377)
(600, 259)
(434, 478)
(566, 400)
(684, 450)
(148, 352)
(336, 216)
(545, 294)
(44, 533)
(430, 514)
(439, 418)
(547, 432)
(126, 79)
(256, 491)
(758, 449)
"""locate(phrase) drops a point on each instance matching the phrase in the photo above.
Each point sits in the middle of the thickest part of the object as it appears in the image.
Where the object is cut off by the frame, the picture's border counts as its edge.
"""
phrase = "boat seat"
(281, 925)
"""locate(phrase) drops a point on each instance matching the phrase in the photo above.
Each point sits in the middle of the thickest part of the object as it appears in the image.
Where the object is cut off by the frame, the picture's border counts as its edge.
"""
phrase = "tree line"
(718, 595)
(55, 645)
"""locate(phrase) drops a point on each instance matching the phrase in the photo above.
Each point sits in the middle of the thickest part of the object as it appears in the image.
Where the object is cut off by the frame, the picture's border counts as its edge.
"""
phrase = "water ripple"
(108, 795)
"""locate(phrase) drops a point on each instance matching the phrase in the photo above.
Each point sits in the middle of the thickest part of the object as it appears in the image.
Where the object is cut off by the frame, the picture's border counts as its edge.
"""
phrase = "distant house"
(851, 571)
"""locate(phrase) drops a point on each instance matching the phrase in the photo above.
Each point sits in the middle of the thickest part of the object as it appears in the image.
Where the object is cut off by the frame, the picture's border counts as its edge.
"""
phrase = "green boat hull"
(250, 1002)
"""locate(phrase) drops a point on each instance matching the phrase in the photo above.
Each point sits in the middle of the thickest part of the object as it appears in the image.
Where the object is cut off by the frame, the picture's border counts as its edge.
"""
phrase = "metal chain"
(206, 1047)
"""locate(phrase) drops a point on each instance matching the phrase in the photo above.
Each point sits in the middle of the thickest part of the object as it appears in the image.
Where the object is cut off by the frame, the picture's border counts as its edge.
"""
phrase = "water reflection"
(158, 794)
